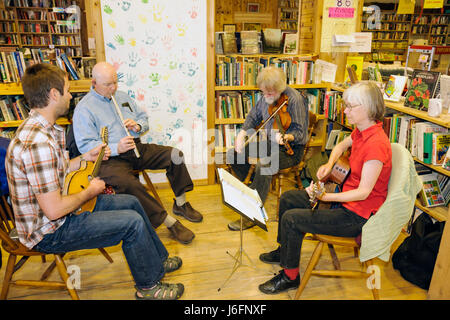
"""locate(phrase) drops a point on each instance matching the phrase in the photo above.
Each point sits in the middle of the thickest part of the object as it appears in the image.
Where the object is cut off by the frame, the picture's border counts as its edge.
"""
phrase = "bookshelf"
(395, 32)
(33, 27)
(232, 102)
(440, 213)
(288, 13)
(15, 90)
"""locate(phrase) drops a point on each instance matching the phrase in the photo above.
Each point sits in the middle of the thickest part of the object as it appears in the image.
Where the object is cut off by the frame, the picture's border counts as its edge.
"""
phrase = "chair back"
(382, 229)
(71, 145)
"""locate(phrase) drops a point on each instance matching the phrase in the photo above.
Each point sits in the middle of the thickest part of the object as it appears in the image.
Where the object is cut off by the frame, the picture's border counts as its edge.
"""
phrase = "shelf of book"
(15, 88)
(442, 120)
(438, 213)
(323, 85)
(17, 123)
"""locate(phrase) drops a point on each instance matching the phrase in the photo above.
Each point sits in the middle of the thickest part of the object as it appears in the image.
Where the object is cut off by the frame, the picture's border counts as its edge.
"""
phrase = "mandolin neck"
(98, 162)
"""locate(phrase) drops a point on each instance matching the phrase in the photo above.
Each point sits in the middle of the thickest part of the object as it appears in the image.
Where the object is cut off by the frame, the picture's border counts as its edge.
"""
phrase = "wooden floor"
(206, 264)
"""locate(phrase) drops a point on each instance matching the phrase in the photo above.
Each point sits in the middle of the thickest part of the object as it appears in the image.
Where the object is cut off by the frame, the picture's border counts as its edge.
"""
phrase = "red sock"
(291, 273)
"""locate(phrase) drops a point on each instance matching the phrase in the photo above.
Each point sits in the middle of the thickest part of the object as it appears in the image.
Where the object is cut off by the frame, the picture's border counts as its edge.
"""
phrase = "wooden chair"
(380, 231)
(284, 174)
(15, 249)
(338, 272)
(148, 183)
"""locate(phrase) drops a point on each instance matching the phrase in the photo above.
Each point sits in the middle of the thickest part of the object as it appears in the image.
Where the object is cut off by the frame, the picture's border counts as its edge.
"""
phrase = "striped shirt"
(36, 163)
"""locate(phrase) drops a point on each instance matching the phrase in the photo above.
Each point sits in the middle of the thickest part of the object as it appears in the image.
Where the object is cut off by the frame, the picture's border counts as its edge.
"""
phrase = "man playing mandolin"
(288, 134)
(48, 220)
(103, 106)
(363, 192)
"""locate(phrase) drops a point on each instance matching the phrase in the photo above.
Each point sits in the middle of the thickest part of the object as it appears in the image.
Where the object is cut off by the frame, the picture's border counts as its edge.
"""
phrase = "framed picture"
(229, 28)
(253, 7)
(252, 27)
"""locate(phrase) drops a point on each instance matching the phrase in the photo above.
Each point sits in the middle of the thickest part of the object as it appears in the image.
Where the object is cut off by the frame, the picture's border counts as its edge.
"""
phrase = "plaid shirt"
(36, 163)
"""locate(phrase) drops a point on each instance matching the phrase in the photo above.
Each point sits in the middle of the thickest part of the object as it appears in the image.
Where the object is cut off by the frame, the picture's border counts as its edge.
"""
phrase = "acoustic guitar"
(78, 180)
(337, 176)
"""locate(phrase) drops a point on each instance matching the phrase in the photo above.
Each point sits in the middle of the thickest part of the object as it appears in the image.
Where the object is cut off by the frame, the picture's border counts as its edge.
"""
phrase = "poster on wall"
(159, 51)
(339, 19)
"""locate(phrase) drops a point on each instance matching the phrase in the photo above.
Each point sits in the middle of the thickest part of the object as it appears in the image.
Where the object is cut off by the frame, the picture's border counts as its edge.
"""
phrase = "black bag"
(416, 256)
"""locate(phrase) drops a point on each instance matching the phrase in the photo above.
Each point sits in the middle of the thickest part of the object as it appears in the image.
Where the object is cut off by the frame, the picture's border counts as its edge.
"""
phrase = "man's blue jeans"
(115, 218)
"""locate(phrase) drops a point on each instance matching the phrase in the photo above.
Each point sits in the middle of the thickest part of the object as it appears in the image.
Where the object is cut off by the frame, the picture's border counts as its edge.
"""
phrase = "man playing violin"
(271, 153)
(363, 192)
(48, 220)
(97, 110)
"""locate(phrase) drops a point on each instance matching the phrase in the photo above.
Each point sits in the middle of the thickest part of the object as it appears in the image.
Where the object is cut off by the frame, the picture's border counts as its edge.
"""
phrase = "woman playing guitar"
(363, 192)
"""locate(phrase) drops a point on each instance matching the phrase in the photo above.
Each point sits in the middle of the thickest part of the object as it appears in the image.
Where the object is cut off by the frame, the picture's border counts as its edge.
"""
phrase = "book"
(421, 89)
(356, 63)
(446, 162)
(431, 195)
(421, 129)
(445, 91)
(394, 88)
(290, 43)
(249, 42)
(440, 145)
(272, 40)
(427, 147)
(229, 43)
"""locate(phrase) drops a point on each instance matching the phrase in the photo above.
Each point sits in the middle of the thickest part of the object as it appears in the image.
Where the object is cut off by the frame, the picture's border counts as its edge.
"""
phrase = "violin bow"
(264, 123)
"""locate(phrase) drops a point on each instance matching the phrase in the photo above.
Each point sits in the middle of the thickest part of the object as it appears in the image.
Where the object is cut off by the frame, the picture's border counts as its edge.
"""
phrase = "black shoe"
(279, 283)
(272, 257)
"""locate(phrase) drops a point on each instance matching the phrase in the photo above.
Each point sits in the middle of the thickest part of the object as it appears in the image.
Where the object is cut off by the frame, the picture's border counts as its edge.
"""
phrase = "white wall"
(159, 50)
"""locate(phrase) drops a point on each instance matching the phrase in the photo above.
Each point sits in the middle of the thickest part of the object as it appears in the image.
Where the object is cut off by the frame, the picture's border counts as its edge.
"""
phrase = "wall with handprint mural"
(158, 48)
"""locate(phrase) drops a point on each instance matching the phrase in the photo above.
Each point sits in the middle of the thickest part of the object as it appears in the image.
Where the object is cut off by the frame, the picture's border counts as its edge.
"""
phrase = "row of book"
(426, 141)
(237, 104)
(254, 42)
(233, 71)
(13, 108)
(14, 63)
(402, 35)
(38, 3)
(225, 135)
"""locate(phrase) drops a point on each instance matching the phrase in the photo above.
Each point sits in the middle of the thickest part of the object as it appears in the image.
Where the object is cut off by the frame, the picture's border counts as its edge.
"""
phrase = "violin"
(282, 119)
(282, 122)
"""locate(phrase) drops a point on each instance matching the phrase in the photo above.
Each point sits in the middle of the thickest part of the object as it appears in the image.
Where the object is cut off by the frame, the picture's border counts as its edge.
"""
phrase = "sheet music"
(241, 197)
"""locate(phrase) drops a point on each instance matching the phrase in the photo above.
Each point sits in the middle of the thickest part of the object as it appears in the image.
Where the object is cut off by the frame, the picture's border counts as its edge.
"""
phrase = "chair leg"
(280, 190)
(8, 275)
(311, 265)
(334, 257)
(151, 187)
(375, 291)
(106, 255)
(65, 277)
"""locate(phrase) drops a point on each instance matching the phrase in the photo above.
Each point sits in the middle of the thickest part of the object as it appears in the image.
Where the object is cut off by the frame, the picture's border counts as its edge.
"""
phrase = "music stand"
(245, 201)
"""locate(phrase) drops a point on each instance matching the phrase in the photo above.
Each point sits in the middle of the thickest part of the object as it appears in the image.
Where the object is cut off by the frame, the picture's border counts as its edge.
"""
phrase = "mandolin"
(77, 181)
(337, 176)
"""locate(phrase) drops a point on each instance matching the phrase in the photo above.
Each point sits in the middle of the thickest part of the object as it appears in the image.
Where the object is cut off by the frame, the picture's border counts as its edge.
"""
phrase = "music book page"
(241, 197)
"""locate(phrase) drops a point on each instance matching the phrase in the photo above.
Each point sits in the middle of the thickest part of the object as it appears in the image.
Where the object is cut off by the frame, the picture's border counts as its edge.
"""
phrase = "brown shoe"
(187, 211)
(181, 233)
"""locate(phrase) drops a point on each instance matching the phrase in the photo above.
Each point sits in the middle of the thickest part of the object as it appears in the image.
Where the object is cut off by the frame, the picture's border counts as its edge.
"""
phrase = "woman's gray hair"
(367, 94)
(272, 78)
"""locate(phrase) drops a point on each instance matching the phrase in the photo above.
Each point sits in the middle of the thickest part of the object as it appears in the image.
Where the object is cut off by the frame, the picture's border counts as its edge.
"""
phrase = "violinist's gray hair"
(271, 78)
